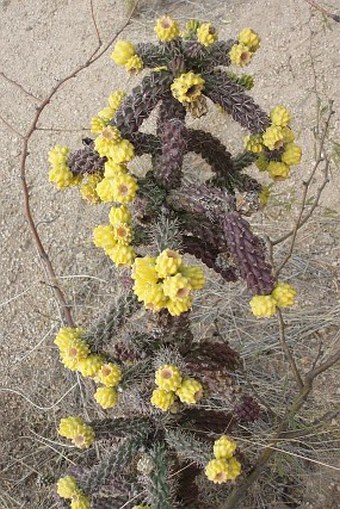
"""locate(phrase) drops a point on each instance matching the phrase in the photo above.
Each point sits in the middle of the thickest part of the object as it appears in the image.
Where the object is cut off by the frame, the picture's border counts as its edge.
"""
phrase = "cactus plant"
(154, 380)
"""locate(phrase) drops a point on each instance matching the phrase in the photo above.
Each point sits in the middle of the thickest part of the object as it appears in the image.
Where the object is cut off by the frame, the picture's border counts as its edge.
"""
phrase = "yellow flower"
(119, 215)
(206, 34)
(104, 190)
(107, 140)
(144, 269)
(177, 307)
(112, 170)
(98, 124)
(273, 137)
(249, 38)
(166, 29)
(162, 399)
(151, 294)
(141, 507)
(187, 88)
(80, 501)
(278, 171)
(91, 365)
(76, 351)
(122, 152)
(115, 99)
(77, 430)
(134, 64)
(122, 52)
(288, 135)
(109, 374)
(195, 276)
(168, 263)
(280, 116)
(60, 173)
(122, 256)
(124, 188)
(168, 377)
(283, 294)
(263, 305)
(240, 55)
(106, 114)
(67, 487)
(234, 468)
(190, 391)
(224, 447)
(106, 397)
(123, 234)
(66, 335)
(262, 162)
(292, 154)
(176, 287)
(103, 237)
(217, 471)
(253, 143)
(88, 189)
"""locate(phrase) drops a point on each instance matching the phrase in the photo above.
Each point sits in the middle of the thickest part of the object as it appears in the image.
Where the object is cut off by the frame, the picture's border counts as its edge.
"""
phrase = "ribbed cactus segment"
(243, 160)
(219, 53)
(170, 108)
(247, 184)
(153, 55)
(217, 355)
(207, 421)
(204, 199)
(86, 160)
(247, 410)
(169, 171)
(233, 99)
(188, 446)
(248, 253)
(207, 253)
(139, 104)
(122, 427)
(145, 143)
(158, 487)
(114, 462)
(175, 331)
(108, 326)
(213, 152)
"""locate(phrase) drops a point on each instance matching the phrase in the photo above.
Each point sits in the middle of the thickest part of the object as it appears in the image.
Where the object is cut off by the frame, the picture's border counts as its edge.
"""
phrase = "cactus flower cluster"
(224, 467)
(171, 383)
(67, 488)
(75, 354)
(266, 305)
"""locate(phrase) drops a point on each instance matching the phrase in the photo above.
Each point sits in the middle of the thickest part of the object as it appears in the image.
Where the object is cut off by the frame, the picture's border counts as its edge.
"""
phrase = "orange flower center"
(79, 440)
(166, 374)
(106, 370)
(123, 189)
(182, 293)
(73, 351)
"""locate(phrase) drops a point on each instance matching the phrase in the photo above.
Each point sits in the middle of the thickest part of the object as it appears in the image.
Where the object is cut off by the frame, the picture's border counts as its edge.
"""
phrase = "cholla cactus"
(151, 372)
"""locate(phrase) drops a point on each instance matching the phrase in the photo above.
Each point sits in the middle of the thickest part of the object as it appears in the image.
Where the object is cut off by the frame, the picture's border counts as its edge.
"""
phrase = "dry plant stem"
(65, 307)
(19, 86)
(239, 492)
(325, 12)
(302, 219)
(287, 351)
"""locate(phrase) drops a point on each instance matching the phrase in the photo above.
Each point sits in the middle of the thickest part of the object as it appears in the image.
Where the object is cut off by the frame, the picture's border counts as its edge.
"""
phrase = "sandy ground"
(41, 42)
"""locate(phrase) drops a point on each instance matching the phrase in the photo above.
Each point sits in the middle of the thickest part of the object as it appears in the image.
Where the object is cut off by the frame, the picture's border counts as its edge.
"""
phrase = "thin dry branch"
(325, 12)
(287, 351)
(95, 55)
(21, 87)
(239, 492)
(303, 217)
